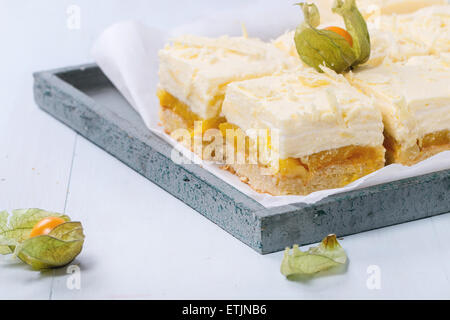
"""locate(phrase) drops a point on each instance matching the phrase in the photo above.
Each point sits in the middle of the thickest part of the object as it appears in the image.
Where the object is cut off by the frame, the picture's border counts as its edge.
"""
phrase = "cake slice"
(322, 132)
(414, 98)
(195, 71)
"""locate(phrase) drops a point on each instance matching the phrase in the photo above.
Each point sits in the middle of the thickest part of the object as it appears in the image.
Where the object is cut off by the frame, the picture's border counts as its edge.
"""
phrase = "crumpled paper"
(127, 53)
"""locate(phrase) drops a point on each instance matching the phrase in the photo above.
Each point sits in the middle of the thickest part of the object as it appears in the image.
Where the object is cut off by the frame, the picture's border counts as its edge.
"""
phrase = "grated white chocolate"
(399, 37)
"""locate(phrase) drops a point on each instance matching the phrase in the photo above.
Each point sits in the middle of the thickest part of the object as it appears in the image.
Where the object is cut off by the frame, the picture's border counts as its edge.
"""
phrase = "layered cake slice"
(414, 98)
(195, 71)
(322, 132)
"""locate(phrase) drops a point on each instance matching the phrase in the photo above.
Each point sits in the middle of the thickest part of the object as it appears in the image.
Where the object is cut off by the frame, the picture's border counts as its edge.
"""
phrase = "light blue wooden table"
(138, 245)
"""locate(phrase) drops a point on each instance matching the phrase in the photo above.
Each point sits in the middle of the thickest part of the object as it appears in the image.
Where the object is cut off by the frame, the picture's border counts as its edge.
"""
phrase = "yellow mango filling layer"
(168, 101)
(369, 159)
(425, 147)
(435, 139)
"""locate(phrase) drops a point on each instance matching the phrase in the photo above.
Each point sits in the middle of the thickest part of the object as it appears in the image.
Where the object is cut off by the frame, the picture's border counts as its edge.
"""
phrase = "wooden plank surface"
(136, 246)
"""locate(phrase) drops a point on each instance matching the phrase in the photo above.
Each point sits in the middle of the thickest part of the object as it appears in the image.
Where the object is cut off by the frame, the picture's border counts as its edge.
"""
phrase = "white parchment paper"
(127, 52)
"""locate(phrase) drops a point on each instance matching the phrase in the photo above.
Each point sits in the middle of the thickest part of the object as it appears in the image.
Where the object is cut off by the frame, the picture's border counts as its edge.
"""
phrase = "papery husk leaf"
(61, 246)
(22, 221)
(68, 231)
(311, 14)
(326, 255)
(4, 250)
(357, 27)
(3, 220)
(4, 243)
(338, 56)
(330, 248)
(319, 48)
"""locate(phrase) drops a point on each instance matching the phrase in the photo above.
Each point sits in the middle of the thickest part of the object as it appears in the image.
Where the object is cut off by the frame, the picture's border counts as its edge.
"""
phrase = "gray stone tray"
(85, 100)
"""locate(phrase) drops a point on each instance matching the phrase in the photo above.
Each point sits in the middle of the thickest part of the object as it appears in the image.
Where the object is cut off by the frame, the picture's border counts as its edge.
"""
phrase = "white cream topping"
(286, 43)
(389, 7)
(196, 70)
(399, 37)
(395, 47)
(371, 8)
(414, 97)
(312, 112)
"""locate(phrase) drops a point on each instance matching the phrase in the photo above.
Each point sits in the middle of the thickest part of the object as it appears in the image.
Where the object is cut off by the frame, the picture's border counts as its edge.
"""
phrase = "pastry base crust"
(426, 147)
(332, 174)
(172, 121)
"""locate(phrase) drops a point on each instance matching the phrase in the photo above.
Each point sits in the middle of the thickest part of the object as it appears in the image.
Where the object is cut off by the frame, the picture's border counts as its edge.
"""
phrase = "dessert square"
(323, 133)
(414, 98)
(195, 71)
